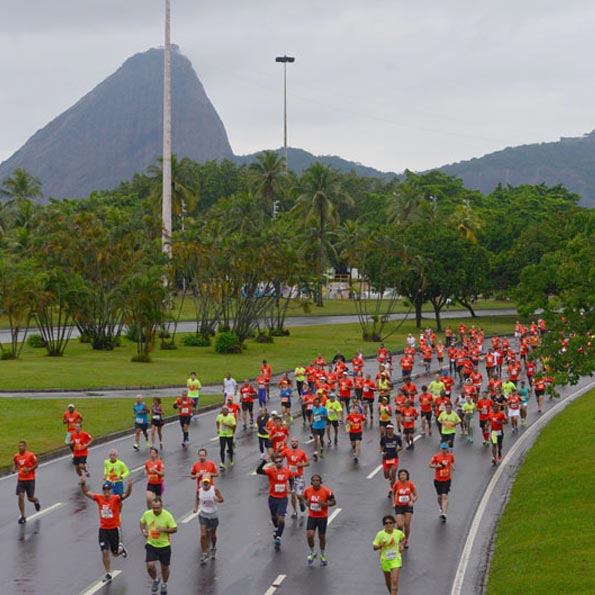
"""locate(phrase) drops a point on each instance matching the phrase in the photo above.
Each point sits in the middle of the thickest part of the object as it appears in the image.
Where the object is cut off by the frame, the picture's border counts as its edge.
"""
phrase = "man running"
(208, 496)
(80, 442)
(247, 394)
(319, 420)
(141, 421)
(184, 405)
(354, 423)
(448, 420)
(157, 525)
(390, 446)
(264, 440)
(318, 498)
(230, 386)
(226, 425)
(24, 463)
(297, 460)
(334, 411)
(70, 418)
(278, 476)
(203, 467)
(193, 386)
(155, 472)
(497, 419)
(110, 507)
(443, 463)
(115, 472)
(390, 542)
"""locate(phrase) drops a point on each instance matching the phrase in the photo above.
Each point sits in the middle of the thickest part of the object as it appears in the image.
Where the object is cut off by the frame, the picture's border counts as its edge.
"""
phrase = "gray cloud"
(388, 83)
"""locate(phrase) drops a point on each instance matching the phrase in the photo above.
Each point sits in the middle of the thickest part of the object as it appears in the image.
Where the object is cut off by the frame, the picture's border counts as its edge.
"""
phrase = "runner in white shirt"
(230, 387)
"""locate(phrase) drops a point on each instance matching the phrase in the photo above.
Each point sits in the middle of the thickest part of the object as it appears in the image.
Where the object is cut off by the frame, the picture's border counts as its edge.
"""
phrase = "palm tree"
(269, 168)
(320, 195)
(184, 193)
(21, 186)
(466, 221)
(405, 203)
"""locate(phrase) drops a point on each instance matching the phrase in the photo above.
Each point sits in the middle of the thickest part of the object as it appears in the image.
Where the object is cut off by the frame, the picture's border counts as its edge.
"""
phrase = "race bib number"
(107, 513)
(497, 432)
(391, 461)
(315, 506)
(157, 417)
(185, 410)
(140, 420)
(390, 555)
(404, 499)
(293, 468)
(317, 418)
(279, 488)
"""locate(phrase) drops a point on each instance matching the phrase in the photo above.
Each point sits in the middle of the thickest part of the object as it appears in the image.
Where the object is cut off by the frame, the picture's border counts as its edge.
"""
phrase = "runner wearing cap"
(184, 405)
(247, 394)
(202, 467)
(226, 424)
(264, 441)
(79, 443)
(110, 507)
(155, 472)
(115, 471)
(354, 423)
(70, 418)
(448, 420)
(25, 463)
(319, 420)
(278, 432)
(318, 498)
(390, 543)
(141, 421)
(208, 496)
(390, 445)
(443, 463)
(193, 385)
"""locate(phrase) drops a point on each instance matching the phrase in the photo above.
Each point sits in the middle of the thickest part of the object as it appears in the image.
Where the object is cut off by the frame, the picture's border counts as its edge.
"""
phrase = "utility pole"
(284, 60)
(166, 159)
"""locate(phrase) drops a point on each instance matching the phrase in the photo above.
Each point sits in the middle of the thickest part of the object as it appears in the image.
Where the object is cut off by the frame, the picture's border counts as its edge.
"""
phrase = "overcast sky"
(393, 84)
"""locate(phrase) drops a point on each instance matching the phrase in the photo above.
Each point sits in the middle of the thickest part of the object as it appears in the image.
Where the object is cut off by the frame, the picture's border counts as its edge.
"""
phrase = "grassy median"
(82, 368)
(545, 538)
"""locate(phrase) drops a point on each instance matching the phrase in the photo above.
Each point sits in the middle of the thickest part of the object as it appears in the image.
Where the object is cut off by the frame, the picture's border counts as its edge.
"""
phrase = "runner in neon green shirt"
(115, 471)
(390, 543)
(157, 525)
(334, 409)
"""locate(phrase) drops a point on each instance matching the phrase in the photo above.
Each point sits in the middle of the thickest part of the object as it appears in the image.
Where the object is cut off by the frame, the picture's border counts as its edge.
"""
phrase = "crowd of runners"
(469, 387)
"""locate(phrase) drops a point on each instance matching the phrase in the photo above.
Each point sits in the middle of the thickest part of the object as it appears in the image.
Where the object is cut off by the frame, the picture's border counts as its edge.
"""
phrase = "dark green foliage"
(227, 343)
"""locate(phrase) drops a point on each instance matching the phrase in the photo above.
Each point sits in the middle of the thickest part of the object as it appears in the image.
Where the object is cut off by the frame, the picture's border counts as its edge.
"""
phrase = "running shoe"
(87, 474)
(22, 520)
(161, 446)
(204, 557)
(355, 460)
(245, 427)
(321, 453)
(232, 463)
(277, 543)
(37, 505)
(155, 585)
(311, 558)
(302, 506)
(183, 444)
(443, 517)
(222, 466)
(523, 422)
(147, 443)
(315, 456)
(213, 553)
(494, 461)
(406, 544)
(336, 442)
(294, 515)
(163, 589)
(390, 494)
(500, 457)
(136, 447)
(107, 578)
(329, 443)
(123, 551)
(323, 560)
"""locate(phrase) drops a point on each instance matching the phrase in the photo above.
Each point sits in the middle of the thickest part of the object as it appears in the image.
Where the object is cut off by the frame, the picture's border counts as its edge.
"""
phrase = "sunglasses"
(389, 522)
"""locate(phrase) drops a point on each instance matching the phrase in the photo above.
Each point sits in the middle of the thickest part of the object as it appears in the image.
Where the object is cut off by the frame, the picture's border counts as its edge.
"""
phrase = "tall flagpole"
(166, 164)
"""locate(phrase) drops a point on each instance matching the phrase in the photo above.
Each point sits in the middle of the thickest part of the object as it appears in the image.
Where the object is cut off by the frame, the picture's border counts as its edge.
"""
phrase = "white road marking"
(459, 579)
(309, 441)
(188, 517)
(213, 439)
(370, 475)
(276, 584)
(98, 585)
(137, 469)
(333, 515)
(45, 511)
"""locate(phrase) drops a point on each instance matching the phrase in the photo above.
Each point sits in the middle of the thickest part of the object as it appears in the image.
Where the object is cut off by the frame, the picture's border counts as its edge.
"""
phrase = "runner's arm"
(260, 468)
(128, 490)
(85, 489)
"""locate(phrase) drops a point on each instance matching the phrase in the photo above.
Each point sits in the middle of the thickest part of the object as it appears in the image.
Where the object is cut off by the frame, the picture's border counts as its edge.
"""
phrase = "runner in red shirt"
(497, 420)
(410, 414)
(155, 472)
(297, 460)
(318, 498)
(184, 406)
(354, 423)
(382, 355)
(368, 389)
(247, 394)
(267, 372)
(24, 464)
(405, 495)
(278, 490)
(444, 463)
(514, 410)
(110, 508)
(70, 417)
(484, 406)
(80, 442)
(357, 363)
(406, 363)
(400, 402)
(345, 386)
(426, 402)
(278, 433)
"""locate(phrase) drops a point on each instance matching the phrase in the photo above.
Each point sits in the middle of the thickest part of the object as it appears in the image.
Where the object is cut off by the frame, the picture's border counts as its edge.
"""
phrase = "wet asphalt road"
(57, 552)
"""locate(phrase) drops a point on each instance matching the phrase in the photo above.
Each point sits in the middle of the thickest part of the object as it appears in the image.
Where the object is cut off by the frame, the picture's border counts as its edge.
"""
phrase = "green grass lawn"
(81, 367)
(102, 416)
(546, 537)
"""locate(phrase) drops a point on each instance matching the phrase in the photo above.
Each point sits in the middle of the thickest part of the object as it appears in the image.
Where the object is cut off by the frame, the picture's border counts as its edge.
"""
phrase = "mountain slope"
(116, 130)
(570, 161)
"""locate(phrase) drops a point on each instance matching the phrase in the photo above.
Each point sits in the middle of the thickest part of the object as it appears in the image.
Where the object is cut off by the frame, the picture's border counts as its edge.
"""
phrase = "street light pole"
(166, 159)
(284, 60)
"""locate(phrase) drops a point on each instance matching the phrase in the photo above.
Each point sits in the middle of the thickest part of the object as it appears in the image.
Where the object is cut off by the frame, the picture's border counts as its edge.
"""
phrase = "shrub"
(196, 341)
(36, 341)
(143, 358)
(7, 355)
(279, 332)
(168, 344)
(264, 338)
(227, 343)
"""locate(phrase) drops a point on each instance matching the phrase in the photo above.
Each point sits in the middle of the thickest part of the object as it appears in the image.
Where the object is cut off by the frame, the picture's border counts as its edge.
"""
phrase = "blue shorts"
(117, 487)
(262, 396)
(278, 506)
